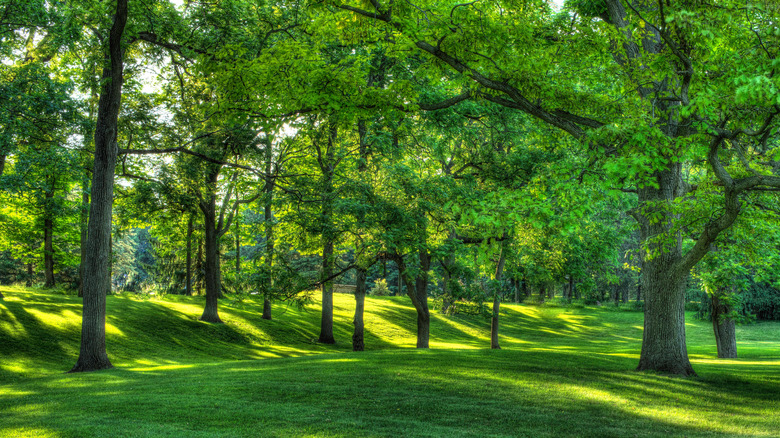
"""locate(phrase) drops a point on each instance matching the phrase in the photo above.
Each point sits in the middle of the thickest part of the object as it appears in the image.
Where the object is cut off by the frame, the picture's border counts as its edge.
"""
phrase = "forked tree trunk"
(724, 327)
(188, 285)
(417, 290)
(360, 302)
(92, 352)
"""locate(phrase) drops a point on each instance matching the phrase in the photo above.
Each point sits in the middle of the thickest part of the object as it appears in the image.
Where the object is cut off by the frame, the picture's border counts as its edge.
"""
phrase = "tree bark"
(48, 241)
(238, 243)
(83, 235)
(417, 290)
(269, 232)
(497, 296)
(199, 267)
(29, 281)
(360, 300)
(190, 230)
(2, 163)
(724, 327)
(210, 312)
(663, 341)
(328, 237)
(92, 352)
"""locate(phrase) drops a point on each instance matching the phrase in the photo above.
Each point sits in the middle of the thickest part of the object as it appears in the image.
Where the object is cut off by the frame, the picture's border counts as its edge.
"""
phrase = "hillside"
(560, 369)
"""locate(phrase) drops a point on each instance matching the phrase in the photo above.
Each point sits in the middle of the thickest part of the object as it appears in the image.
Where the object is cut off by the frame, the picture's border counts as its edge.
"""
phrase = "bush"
(380, 288)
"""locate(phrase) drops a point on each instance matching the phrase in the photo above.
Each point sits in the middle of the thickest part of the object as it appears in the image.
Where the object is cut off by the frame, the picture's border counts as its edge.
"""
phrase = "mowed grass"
(561, 372)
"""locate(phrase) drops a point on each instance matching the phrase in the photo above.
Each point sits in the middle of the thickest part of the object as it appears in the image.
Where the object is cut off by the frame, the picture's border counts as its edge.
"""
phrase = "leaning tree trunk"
(417, 290)
(210, 312)
(663, 341)
(92, 353)
(724, 327)
(360, 305)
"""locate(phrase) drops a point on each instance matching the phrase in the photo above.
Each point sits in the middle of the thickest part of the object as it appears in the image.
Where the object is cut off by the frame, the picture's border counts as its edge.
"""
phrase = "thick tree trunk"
(83, 236)
(724, 328)
(266, 309)
(92, 353)
(360, 301)
(663, 342)
(210, 312)
(188, 285)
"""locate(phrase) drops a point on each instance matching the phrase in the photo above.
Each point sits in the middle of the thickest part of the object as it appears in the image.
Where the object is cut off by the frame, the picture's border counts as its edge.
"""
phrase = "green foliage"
(380, 288)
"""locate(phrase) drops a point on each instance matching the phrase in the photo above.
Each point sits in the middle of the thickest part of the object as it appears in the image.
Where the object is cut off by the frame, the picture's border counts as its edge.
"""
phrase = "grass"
(561, 372)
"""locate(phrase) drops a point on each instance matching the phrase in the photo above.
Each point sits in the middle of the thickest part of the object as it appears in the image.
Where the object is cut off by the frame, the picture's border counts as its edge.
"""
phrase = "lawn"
(561, 372)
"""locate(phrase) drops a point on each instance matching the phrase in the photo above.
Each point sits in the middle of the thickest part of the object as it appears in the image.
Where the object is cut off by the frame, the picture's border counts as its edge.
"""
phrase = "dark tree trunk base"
(92, 366)
(266, 309)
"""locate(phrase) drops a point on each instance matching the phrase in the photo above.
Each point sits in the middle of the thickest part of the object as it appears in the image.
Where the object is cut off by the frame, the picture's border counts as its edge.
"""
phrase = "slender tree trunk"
(724, 327)
(199, 271)
(326, 323)
(190, 230)
(92, 353)
(328, 237)
(360, 300)
(663, 342)
(269, 233)
(48, 244)
(2, 164)
(497, 296)
(30, 274)
(238, 244)
(400, 283)
(83, 236)
(210, 312)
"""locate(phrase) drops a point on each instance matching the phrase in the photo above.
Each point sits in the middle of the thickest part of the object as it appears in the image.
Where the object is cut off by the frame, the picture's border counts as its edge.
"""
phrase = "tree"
(675, 64)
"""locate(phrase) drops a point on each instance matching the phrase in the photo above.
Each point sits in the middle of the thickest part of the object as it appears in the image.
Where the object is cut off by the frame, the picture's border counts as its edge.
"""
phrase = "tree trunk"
(83, 236)
(210, 312)
(2, 163)
(92, 352)
(571, 287)
(326, 323)
(190, 230)
(199, 267)
(269, 234)
(417, 290)
(497, 296)
(663, 341)
(48, 252)
(328, 236)
(30, 273)
(238, 244)
(724, 327)
(360, 300)
(400, 287)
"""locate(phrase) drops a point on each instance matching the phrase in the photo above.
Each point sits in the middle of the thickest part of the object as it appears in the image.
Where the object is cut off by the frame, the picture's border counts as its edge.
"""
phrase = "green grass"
(561, 372)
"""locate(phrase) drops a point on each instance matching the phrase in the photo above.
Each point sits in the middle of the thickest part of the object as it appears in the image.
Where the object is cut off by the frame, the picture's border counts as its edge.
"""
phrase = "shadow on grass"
(402, 393)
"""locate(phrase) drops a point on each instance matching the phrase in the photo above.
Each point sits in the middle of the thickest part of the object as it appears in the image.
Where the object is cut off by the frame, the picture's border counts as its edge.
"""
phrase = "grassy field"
(561, 372)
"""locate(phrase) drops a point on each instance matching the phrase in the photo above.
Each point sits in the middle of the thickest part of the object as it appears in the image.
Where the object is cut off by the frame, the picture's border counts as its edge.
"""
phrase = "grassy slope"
(562, 372)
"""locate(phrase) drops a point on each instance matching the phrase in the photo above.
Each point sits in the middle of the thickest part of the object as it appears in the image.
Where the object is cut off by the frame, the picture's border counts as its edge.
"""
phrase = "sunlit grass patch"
(561, 372)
